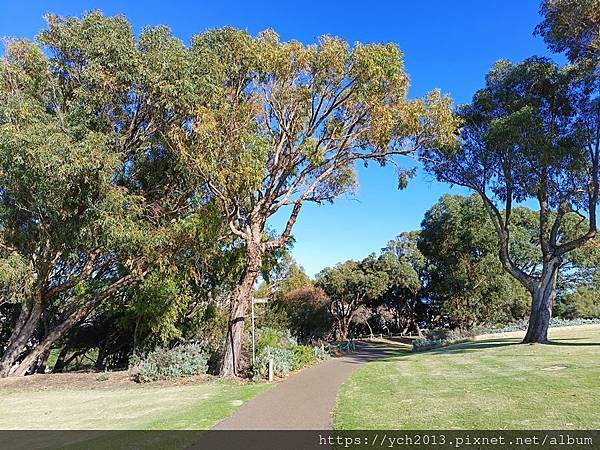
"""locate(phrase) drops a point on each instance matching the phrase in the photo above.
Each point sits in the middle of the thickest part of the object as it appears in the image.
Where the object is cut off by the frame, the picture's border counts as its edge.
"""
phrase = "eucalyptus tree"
(349, 286)
(532, 134)
(284, 124)
(407, 267)
(91, 198)
(464, 278)
(572, 26)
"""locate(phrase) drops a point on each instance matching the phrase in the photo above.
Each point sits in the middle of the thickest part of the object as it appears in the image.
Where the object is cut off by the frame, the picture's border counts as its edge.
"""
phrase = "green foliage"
(15, 280)
(103, 376)
(284, 361)
(158, 304)
(283, 123)
(465, 279)
(274, 338)
(303, 356)
(321, 353)
(349, 285)
(267, 338)
(583, 303)
(91, 197)
(307, 310)
(180, 361)
(209, 327)
(441, 337)
(571, 26)
(528, 135)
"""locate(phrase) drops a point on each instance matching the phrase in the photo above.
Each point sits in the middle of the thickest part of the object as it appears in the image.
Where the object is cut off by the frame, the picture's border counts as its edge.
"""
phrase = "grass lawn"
(104, 407)
(493, 384)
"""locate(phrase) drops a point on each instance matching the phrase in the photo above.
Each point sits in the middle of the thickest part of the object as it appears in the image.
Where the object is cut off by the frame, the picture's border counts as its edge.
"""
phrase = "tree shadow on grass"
(467, 347)
(573, 344)
(383, 353)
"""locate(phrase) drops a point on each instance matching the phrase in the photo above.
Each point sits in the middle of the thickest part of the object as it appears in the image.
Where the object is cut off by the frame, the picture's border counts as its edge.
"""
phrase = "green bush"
(445, 334)
(180, 361)
(303, 356)
(266, 337)
(283, 362)
(441, 337)
(271, 337)
(103, 376)
(321, 353)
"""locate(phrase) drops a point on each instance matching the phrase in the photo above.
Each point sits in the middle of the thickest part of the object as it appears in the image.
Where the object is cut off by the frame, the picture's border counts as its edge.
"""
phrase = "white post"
(270, 369)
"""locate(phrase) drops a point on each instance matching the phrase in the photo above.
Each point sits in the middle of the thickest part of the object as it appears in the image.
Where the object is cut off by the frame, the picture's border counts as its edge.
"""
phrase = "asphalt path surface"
(306, 399)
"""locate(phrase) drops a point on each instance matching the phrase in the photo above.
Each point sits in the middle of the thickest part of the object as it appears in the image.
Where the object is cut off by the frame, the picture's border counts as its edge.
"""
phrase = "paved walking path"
(306, 399)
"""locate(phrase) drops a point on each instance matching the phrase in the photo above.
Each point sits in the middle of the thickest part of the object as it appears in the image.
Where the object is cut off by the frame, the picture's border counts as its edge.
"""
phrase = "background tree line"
(447, 275)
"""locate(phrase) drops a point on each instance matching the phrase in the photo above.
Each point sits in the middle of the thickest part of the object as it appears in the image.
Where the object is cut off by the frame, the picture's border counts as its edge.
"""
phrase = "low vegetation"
(163, 364)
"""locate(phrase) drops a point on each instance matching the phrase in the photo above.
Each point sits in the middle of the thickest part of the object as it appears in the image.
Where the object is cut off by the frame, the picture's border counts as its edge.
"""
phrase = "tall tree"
(464, 276)
(532, 134)
(349, 286)
(284, 124)
(407, 268)
(90, 197)
(572, 26)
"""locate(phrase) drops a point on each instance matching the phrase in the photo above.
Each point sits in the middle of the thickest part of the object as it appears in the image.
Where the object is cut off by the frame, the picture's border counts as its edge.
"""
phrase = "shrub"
(303, 356)
(180, 361)
(445, 334)
(103, 376)
(441, 337)
(307, 308)
(283, 362)
(321, 353)
(555, 322)
(271, 337)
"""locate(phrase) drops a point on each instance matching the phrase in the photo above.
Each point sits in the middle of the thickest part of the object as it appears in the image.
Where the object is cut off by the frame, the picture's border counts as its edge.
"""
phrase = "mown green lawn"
(495, 384)
(186, 407)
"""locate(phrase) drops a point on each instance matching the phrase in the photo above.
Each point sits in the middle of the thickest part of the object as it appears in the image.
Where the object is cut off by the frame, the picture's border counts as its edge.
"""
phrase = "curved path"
(306, 399)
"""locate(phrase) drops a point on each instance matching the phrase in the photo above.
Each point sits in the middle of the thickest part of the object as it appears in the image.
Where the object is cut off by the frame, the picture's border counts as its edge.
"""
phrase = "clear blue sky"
(447, 44)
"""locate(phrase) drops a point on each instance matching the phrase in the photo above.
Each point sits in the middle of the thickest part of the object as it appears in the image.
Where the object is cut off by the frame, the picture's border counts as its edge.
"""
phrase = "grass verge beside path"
(159, 407)
(491, 384)
(186, 407)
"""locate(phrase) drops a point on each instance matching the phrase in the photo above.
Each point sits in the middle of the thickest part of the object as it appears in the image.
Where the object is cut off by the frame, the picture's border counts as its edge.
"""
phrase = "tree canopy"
(532, 134)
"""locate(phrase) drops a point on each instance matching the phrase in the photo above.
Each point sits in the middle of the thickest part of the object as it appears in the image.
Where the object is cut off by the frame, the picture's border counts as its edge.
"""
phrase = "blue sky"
(447, 44)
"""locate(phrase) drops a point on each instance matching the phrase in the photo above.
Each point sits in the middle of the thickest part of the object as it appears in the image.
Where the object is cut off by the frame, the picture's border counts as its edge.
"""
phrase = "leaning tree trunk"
(370, 329)
(543, 296)
(7, 363)
(27, 324)
(242, 295)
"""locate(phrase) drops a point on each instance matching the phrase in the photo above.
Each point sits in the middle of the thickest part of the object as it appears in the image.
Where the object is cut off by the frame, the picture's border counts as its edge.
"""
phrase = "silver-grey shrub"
(180, 361)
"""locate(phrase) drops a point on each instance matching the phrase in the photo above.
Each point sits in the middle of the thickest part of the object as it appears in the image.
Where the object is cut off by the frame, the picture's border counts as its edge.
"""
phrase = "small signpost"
(255, 300)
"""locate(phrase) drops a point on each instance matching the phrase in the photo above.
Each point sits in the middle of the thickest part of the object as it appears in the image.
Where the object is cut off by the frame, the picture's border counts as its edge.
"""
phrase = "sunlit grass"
(492, 384)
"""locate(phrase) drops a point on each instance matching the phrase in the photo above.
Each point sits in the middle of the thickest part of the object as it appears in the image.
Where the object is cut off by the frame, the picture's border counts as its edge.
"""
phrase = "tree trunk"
(26, 326)
(10, 358)
(370, 329)
(42, 362)
(543, 296)
(241, 297)
(342, 331)
(60, 361)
